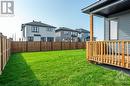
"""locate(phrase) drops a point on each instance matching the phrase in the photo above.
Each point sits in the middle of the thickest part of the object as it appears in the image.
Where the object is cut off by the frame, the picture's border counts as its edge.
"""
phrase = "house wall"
(83, 36)
(42, 31)
(106, 29)
(123, 32)
(66, 36)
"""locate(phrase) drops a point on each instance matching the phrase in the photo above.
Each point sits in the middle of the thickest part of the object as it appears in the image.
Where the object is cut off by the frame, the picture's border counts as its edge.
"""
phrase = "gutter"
(93, 5)
(120, 1)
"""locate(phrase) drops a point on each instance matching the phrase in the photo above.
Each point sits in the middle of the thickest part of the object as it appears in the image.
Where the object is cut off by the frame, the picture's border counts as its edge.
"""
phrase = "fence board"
(5, 46)
(18, 46)
(33, 46)
(56, 45)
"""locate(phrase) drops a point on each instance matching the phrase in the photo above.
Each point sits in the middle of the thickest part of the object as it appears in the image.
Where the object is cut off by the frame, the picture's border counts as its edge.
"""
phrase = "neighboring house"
(115, 50)
(83, 35)
(66, 35)
(38, 31)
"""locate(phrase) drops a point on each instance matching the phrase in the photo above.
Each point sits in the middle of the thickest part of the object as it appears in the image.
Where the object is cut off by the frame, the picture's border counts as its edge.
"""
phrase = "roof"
(107, 7)
(65, 29)
(82, 30)
(36, 23)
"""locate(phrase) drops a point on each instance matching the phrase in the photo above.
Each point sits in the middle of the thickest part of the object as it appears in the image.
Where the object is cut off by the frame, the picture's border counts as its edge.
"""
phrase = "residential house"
(115, 49)
(65, 34)
(83, 35)
(38, 31)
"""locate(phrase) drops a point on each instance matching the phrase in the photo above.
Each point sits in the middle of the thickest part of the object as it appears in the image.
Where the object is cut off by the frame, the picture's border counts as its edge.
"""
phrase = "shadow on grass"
(18, 73)
(127, 71)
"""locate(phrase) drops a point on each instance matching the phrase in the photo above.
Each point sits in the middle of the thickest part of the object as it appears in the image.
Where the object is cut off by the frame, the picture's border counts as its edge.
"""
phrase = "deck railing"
(115, 53)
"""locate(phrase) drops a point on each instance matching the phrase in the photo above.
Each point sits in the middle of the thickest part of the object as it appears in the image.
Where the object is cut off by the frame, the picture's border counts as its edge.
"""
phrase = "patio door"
(113, 29)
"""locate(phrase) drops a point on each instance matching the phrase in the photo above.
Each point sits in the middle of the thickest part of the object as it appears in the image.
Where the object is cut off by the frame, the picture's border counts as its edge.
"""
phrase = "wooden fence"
(115, 53)
(5, 51)
(24, 46)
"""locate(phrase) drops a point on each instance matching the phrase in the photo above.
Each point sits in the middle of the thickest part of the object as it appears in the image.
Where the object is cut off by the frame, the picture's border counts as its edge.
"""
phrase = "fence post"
(1, 36)
(6, 49)
(123, 54)
(69, 45)
(0, 53)
(10, 46)
(82, 45)
(76, 45)
(40, 46)
(61, 45)
(26, 46)
(51, 45)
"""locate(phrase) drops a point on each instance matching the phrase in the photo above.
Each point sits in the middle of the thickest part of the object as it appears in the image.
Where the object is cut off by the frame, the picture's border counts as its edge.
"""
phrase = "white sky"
(11, 26)
(50, 13)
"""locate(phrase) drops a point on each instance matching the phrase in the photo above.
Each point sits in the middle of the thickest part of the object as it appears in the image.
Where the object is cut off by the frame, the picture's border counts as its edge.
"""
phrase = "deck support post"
(91, 37)
(91, 27)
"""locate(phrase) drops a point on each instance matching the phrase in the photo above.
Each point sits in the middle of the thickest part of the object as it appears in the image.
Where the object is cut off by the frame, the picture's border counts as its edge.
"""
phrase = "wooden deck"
(115, 53)
(109, 52)
(111, 61)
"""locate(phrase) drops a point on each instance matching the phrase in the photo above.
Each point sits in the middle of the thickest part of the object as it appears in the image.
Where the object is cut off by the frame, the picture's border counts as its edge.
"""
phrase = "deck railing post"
(91, 50)
(102, 52)
(123, 54)
(87, 53)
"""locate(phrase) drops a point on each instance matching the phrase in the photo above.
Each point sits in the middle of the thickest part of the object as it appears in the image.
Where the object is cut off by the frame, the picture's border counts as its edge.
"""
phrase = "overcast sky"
(58, 13)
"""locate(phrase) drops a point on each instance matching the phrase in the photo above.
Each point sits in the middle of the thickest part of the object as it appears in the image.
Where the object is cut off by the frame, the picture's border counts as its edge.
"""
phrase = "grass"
(58, 68)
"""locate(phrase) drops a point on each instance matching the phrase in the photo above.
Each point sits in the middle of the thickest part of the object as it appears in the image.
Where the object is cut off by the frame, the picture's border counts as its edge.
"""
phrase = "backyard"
(58, 68)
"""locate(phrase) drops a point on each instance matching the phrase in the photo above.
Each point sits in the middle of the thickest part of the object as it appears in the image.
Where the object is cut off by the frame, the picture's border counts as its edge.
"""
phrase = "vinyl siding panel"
(124, 27)
(106, 29)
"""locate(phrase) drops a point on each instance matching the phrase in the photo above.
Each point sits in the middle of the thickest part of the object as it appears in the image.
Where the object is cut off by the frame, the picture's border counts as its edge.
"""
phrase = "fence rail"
(24, 46)
(5, 47)
(115, 53)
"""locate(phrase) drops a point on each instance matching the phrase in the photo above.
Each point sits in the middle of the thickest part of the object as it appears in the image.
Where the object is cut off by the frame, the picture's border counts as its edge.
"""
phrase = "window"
(30, 38)
(113, 29)
(66, 33)
(50, 39)
(74, 34)
(35, 29)
(49, 29)
(43, 39)
(23, 32)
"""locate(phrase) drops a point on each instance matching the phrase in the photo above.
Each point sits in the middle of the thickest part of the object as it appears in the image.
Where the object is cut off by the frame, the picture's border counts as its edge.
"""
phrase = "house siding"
(123, 26)
(106, 29)
(42, 32)
(66, 36)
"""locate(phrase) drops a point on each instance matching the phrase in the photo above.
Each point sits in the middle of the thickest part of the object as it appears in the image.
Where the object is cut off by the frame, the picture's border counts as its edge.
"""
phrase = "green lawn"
(58, 68)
